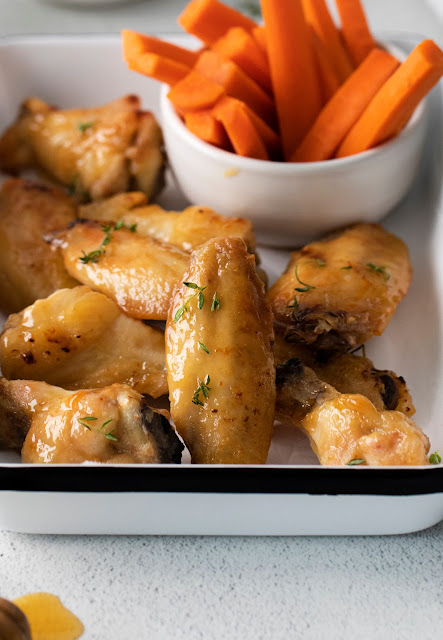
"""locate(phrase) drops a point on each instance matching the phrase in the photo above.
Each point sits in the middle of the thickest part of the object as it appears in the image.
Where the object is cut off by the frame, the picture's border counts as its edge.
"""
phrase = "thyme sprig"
(306, 287)
(202, 388)
(86, 419)
(355, 462)
(83, 126)
(198, 294)
(378, 269)
(215, 306)
(108, 229)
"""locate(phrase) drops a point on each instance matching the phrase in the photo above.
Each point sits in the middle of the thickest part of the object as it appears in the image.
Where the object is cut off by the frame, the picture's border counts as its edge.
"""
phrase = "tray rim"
(255, 479)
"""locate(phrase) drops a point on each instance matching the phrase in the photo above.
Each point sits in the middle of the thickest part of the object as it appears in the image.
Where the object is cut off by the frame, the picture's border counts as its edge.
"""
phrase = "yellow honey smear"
(230, 173)
(48, 618)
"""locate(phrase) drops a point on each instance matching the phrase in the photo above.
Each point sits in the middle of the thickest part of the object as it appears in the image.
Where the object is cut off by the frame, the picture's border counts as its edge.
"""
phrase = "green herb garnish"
(306, 287)
(85, 125)
(133, 227)
(203, 347)
(355, 462)
(198, 293)
(435, 458)
(346, 268)
(202, 388)
(84, 422)
(378, 269)
(294, 305)
(108, 230)
(320, 262)
(215, 303)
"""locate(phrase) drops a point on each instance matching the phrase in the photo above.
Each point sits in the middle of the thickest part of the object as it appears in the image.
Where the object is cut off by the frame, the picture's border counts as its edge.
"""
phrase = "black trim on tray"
(269, 480)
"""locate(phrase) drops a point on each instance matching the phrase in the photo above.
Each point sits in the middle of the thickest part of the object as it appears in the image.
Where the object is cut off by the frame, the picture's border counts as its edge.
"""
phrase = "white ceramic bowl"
(291, 202)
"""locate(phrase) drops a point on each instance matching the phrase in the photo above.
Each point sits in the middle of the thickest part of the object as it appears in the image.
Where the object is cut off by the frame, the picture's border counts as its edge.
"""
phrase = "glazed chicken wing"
(96, 152)
(186, 229)
(338, 292)
(221, 374)
(113, 425)
(79, 339)
(30, 268)
(137, 272)
(350, 373)
(345, 427)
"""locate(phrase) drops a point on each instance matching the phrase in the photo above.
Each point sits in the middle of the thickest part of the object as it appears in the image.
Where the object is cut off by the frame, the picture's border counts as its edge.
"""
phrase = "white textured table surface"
(157, 588)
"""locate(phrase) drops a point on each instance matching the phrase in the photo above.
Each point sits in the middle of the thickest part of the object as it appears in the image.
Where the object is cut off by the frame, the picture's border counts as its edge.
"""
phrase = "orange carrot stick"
(294, 79)
(356, 34)
(240, 129)
(393, 105)
(345, 107)
(207, 128)
(209, 20)
(239, 46)
(270, 139)
(135, 44)
(259, 35)
(237, 83)
(329, 80)
(317, 13)
(159, 68)
(195, 93)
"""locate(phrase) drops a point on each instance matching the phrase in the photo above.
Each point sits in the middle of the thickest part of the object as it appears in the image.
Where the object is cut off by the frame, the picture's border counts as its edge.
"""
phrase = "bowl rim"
(170, 117)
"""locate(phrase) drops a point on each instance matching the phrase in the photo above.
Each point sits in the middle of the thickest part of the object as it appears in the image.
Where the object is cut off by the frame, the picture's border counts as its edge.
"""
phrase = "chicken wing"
(221, 374)
(186, 229)
(113, 425)
(346, 428)
(137, 272)
(79, 339)
(350, 373)
(338, 292)
(31, 268)
(96, 152)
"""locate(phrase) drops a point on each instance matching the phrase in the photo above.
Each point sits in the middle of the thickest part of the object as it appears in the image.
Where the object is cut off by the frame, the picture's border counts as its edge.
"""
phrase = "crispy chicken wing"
(338, 292)
(79, 339)
(186, 229)
(113, 424)
(350, 373)
(344, 427)
(30, 268)
(96, 152)
(137, 272)
(221, 372)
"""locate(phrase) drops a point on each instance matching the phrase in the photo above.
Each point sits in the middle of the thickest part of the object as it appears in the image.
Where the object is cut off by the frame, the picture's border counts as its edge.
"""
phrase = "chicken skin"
(350, 373)
(96, 152)
(346, 428)
(79, 339)
(109, 425)
(137, 272)
(339, 292)
(221, 375)
(30, 267)
(186, 229)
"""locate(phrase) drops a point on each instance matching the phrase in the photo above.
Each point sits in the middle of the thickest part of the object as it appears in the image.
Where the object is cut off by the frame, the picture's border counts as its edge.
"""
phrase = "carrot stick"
(346, 106)
(207, 128)
(356, 34)
(294, 79)
(135, 44)
(195, 93)
(270, 139)
(239, 46)
(317, 14)
(236, 83)
(329, 80)
(241, 131)
(393, 105)
(159, 68)
(259, 35)
(209, 20)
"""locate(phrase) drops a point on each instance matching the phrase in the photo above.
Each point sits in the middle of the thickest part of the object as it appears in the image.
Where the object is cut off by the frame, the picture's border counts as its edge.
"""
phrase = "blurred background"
(159, 16)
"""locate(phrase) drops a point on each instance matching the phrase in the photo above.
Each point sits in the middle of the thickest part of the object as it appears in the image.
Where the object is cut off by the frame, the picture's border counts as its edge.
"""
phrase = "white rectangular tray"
(291, 495)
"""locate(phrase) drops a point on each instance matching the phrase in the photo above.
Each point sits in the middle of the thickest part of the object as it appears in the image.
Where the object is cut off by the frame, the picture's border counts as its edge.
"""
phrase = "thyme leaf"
(378, 269)
(202, 388)
(355, 462)
(84, 422)
(215, 303)
(306, 287)
(203, 347)
(346, 268)
(85, 125)
(198, 293)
